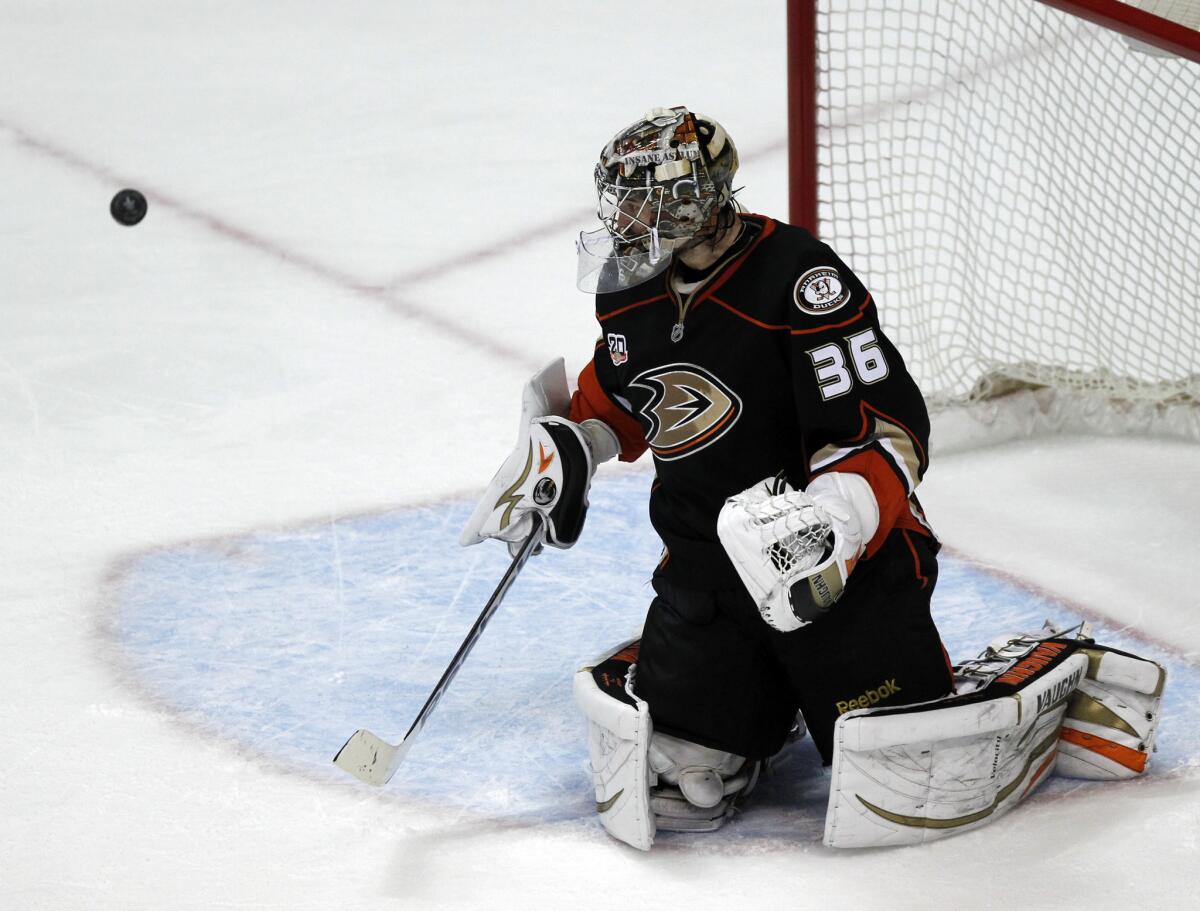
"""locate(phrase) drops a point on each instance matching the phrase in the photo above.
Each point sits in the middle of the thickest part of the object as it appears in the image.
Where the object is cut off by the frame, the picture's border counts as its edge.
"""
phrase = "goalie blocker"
(548, 473)
(1026, 707)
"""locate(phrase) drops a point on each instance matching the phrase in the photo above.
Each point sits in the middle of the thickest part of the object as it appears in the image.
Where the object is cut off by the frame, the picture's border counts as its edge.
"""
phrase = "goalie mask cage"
(1018, 182)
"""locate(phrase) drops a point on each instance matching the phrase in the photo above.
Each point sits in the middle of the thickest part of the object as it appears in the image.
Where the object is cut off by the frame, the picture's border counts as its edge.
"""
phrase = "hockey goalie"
(793, 592)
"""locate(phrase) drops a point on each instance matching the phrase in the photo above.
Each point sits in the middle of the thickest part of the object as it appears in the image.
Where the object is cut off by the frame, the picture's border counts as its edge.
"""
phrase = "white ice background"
(235, 441)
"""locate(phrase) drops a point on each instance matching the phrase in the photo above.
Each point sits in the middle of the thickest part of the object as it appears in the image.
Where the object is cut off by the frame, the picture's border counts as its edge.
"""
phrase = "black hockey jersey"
(773, 362)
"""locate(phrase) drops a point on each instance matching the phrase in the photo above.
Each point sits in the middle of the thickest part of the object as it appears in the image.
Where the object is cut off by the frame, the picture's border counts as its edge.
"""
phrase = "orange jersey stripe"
(921, 577)
(862, 308)
(920, 450)
(590, 401)
(889, 492)
(869, 424)
(650, 300)
(768, 229)
(749, 319)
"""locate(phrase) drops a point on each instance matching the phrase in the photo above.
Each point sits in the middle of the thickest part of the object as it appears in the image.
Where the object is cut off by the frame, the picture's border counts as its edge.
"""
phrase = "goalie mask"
(662, 183)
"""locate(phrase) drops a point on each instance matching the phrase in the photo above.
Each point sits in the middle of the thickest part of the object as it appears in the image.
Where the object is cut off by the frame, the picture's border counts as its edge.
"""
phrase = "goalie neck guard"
(661, 182)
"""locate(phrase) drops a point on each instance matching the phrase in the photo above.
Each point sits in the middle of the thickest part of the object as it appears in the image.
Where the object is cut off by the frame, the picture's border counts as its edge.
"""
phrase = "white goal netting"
(1021, 191)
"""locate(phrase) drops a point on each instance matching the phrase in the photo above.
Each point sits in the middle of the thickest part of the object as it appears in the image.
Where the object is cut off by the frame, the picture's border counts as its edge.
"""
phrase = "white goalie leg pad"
(619, 732)
(1112, 718)
(913, 774)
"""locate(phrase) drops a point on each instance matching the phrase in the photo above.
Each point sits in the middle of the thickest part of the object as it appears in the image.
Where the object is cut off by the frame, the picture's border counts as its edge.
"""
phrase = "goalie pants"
(714, 673)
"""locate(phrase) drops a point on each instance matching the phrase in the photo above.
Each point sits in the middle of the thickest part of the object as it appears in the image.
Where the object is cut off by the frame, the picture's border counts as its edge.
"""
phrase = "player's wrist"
(601, 440)
(850, 495)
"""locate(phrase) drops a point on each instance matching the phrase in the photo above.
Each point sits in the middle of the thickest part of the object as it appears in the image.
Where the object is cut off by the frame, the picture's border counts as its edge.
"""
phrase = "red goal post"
(1019, 184)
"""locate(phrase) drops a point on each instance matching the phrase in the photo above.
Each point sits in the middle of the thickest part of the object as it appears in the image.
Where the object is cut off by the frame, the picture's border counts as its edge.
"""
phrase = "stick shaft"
(371, 759)
(506, 581)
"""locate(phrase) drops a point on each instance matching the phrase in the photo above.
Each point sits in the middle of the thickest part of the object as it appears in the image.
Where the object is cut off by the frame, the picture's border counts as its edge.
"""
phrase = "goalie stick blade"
(370, 759)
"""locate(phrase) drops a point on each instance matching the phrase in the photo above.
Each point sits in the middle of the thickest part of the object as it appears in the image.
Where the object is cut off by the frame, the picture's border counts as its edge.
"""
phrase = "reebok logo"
(870, 697)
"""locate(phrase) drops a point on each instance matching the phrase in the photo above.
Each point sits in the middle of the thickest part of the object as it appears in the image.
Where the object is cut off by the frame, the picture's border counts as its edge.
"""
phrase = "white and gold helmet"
(662, 183)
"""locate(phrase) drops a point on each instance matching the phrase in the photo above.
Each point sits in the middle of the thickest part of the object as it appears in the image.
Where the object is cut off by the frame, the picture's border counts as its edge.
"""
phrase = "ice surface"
(278, 640)
(359, 245)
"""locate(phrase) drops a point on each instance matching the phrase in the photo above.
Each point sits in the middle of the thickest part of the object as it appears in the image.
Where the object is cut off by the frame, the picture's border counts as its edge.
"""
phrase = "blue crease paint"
(285, 642)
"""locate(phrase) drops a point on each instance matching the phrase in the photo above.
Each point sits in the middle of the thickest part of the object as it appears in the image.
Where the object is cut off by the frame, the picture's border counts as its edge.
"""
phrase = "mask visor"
(606, 264)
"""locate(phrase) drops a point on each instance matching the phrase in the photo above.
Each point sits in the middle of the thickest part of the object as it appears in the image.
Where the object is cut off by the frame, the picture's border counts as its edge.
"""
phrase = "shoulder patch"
(821, 290)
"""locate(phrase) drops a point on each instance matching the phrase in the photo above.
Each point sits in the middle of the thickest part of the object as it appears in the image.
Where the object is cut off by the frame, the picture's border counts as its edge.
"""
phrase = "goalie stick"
(371, 759)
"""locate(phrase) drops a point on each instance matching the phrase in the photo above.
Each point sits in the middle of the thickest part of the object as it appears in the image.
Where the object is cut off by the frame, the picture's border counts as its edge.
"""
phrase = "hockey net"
(1020, 188)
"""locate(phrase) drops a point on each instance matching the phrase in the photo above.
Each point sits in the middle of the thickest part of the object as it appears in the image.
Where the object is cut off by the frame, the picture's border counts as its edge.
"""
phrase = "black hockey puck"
(128, 207)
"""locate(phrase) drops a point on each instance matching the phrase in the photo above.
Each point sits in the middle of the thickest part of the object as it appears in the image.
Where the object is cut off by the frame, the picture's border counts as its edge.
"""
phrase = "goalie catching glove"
(549, 472)
(794, 549)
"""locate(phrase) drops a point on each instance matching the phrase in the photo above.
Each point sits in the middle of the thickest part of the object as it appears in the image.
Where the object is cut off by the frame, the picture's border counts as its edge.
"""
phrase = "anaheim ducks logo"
(689, 408)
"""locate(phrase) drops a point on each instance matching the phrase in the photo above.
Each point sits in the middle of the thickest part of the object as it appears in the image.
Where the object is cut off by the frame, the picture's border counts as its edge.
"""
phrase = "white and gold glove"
(794, 549)
(549, 471)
